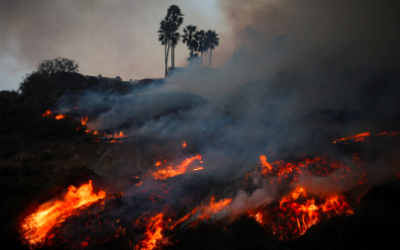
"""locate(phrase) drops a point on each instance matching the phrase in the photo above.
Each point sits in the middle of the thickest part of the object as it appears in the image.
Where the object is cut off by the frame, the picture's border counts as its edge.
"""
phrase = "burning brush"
(288, 213)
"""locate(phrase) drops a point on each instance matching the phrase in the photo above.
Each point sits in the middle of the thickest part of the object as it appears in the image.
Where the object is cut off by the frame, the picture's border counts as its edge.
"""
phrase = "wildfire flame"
(35, 227)
(83, 121)
(50, 114)
(266, 167)
(213, 208)
(171, 171)
(120, 135)
(184, 144)
(205, 212)
(153, 236)
(60, 116)
(357, 138)
(294, 216)
(47, 113)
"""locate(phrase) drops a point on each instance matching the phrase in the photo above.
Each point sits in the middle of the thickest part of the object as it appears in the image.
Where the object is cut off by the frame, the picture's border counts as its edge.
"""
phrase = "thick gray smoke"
(304, 73)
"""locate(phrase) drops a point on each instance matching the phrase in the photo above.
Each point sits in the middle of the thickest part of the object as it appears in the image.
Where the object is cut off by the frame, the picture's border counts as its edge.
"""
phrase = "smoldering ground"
(290, 89)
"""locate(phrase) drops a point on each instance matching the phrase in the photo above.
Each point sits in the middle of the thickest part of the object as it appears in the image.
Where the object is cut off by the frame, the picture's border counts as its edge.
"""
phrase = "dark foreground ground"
(40, 158)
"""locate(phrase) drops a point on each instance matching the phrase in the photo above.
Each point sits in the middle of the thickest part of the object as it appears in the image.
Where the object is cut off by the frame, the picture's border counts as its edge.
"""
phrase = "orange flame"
(205, 212)
(294, 216)
(197, 169)
(47, 113)
(35, 227)
(50, 114)
(60, 116)
(83, 121)
(266, 167)
(184, 144)
(120, 135)
(214, 207)
(153, 236)
(115, 141)
(171, 171)
(390, 133)
(357, 138)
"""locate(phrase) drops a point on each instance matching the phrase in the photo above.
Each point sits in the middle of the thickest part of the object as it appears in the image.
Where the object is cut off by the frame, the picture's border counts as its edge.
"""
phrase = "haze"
(112, 38)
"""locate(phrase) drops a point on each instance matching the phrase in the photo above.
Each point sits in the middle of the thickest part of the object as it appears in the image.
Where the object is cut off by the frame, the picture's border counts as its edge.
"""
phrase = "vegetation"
(190, 39)
(168, 35)
(201, 39)
(196, 41)
(58, 65)
(212, 41)
(175, 16)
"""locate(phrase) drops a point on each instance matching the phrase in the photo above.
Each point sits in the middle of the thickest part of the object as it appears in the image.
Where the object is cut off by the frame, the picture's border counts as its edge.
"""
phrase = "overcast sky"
(108, 37)
(119, 37)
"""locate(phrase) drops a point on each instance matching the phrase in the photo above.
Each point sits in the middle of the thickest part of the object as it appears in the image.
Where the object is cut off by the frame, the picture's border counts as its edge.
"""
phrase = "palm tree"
(175, 16)
(202, 43)
(164, 36)
(175, 36)
(212, 41)
(189, 38)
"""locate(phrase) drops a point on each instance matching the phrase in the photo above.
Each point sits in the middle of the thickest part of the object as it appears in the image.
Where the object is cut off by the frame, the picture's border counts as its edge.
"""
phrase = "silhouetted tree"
(189, 38)
(164, 36)
(58, 65)
(175, 36)
(175, 16)
(212, 41)
(202, 43)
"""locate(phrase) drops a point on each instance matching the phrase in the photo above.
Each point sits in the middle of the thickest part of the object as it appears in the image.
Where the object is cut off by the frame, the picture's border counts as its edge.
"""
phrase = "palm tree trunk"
(210, 57)
(166, 62)
(165, 57)
(172, 56)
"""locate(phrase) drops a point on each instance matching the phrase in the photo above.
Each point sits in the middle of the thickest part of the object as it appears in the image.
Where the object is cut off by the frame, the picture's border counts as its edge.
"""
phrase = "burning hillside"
(174, 166)
(292, 144)
(278, 202)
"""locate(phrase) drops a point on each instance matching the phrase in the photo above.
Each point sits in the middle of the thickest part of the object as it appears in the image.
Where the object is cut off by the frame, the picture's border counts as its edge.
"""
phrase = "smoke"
(303, 73)
(112, 38)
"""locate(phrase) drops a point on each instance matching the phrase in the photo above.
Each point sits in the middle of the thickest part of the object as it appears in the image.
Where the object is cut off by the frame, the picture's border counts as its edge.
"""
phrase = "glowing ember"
(357, 138)
(153, 236)
(158, 163)
(83, 121)
(35, 227)
(213, 208)
(205, 212)
(114, 141)
(266, 167)
(60, 116)
(390, 133)
(47, 113)
(120, 135)
(257, 217)
(184, 144)
(321, 166)
(171, 171)
(295, 215)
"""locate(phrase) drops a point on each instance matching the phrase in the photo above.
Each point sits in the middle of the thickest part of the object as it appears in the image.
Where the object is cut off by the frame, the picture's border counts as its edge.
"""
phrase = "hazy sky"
(108, 37)
(119, 37)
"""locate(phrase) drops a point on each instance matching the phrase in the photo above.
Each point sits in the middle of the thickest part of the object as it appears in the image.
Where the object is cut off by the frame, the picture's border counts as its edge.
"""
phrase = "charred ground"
(41, 157)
